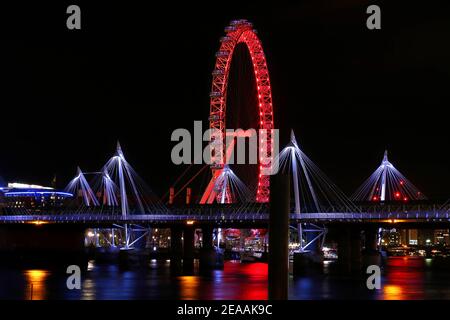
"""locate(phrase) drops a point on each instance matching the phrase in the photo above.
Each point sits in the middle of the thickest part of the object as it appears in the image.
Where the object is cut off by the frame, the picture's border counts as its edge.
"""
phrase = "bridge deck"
(257, 213)
(398, 217)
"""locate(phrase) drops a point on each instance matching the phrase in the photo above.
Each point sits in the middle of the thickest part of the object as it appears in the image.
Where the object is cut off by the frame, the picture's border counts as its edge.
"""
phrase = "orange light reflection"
(36, 284)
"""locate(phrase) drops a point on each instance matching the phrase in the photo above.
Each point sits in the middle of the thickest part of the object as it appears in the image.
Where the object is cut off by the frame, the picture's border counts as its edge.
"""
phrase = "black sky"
(137, 71)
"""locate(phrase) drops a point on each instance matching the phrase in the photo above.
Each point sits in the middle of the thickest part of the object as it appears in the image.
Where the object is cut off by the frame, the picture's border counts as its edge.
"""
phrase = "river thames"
(402, 278)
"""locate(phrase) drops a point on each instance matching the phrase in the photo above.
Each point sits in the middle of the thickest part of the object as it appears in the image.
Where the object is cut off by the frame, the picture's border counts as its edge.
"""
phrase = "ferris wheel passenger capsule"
(230, 29)
(215, 94)
(222, 54)
(217, 72)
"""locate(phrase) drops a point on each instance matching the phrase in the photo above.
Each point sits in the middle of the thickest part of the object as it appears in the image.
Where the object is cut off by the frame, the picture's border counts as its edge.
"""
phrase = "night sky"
(136, 72)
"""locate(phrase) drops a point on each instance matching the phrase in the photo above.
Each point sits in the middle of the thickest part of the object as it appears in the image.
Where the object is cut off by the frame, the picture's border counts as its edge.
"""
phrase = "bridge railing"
(437, 215)
(254, 211)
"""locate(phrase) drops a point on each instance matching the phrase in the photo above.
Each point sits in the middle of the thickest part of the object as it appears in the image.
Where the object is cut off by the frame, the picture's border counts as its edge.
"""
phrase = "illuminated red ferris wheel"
(241, 31)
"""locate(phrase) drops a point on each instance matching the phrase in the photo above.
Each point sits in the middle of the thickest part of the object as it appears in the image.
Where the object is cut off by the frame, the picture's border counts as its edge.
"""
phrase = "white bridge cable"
(131, 191)
(107, 190)
(229, 182)
(79, 187)
(118, 190)
(386, 183)
(316, 192)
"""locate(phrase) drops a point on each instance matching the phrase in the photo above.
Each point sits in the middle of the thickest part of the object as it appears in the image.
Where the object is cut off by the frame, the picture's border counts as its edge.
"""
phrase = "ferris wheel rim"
(241, 31)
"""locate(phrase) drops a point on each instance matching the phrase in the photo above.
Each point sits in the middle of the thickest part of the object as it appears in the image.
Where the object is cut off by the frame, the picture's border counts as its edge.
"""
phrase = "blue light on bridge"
(36, 193)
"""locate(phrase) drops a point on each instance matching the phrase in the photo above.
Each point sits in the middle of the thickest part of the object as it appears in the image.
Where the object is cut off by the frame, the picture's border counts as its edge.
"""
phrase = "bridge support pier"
(176, 248)
(349, 250)
(97, 238)
(209, 257)
(188, 249)
(371, 255)
(344, 250)
(279, 237)
(113, 238)
(356, 247)
(311, 259)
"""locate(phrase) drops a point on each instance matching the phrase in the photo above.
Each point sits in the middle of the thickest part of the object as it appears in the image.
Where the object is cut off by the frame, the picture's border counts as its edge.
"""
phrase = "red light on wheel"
(375, 198)
(405, 199)
(401, 182)
(397, 194)
(235, 34)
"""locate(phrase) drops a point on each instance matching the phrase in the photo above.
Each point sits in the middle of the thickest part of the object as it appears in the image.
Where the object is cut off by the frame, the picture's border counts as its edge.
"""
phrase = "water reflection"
(402, 278)
(189, 287)
(392, 292)
(235, 281)
(89, 292)
(36, 280)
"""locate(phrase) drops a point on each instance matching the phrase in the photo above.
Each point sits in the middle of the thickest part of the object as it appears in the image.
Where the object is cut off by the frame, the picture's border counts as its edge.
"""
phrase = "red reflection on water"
(404, 279)
(253, 279)
(252, 270)
(237, 281)
(251, 283)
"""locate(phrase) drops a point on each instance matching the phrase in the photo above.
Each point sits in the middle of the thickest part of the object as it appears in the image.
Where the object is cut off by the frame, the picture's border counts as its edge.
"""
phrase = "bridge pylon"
(386, 183)
(313, 192)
